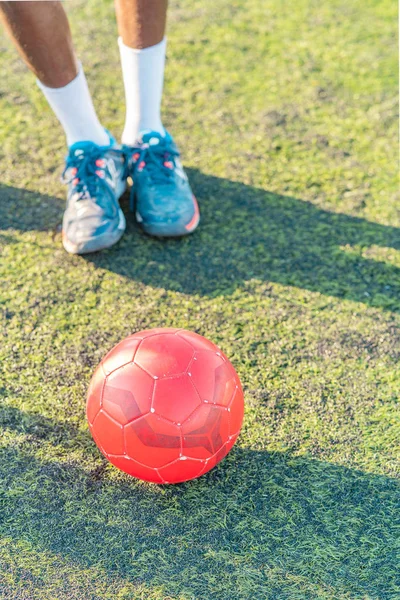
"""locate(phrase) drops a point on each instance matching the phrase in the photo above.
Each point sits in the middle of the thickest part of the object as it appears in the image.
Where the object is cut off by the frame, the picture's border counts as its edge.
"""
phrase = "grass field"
(286, 115)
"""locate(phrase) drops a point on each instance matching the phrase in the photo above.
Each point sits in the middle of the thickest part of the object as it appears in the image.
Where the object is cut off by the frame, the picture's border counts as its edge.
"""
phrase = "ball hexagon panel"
(175, 398)
(108, 434)
(236, 410)
(135, 469)
(152, 440)
(231, 442)
(164, 355)
(95, 392)
(128, 393)
(145, 333)
(182, 470)
(222, 452)
(214, 378)
(197, 341)
(205, 431)
(218, 456)
(122, 354)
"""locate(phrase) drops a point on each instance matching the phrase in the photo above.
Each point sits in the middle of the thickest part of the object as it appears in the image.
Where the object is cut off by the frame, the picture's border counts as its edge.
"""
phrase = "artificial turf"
(286, 116)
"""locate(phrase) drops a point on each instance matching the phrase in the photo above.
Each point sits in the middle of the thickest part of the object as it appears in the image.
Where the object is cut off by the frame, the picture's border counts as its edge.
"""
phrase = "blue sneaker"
(161, 196)
(96, 179)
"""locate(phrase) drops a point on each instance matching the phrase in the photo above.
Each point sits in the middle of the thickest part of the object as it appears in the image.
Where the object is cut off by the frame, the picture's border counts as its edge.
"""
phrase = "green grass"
(286, 115)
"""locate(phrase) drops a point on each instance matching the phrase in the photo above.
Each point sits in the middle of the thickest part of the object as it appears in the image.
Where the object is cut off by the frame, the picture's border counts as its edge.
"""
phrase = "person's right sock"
(73, 107)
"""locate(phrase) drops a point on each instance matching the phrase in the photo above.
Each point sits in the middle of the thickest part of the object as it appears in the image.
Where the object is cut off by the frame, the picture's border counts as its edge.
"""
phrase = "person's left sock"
(73, 107)
(143, 74)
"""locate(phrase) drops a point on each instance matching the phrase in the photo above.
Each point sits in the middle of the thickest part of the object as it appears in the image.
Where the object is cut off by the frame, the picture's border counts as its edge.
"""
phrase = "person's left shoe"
(161, 197)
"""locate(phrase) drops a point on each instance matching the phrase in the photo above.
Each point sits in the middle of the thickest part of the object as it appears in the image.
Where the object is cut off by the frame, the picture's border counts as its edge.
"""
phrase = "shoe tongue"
(80, 147)
(152, 138)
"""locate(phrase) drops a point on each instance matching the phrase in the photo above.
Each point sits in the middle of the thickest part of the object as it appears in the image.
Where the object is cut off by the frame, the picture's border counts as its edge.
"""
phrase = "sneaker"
(96, 179)
(161, 196)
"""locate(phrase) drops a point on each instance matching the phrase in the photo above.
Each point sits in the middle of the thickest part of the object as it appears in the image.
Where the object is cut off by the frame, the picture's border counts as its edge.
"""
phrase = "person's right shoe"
(161, 196)
(96, 178)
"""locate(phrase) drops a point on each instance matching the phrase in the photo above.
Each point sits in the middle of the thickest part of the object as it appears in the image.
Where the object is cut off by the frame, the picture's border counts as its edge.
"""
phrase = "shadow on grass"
(24, 210)
(260, 525)
(246, 233)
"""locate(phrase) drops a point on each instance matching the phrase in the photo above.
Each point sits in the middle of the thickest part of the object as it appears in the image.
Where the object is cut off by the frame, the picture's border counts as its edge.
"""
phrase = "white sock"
(73, 107)
(143, 74)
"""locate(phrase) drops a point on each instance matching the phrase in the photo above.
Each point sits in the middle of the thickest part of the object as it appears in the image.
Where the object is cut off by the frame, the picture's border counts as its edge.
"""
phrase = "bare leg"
(40, 30)
(141, 23)
(41, 33)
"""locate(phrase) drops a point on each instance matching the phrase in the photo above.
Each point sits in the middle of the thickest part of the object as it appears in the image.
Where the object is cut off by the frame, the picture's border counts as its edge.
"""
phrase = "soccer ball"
(165, 405)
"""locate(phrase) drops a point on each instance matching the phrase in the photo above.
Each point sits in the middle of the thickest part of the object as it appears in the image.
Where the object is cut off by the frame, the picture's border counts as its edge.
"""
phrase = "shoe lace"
(87, 171)
(159, 161)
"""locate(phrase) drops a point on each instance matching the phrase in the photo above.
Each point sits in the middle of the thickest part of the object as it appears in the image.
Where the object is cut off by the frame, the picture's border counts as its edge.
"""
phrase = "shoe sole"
(101, 242)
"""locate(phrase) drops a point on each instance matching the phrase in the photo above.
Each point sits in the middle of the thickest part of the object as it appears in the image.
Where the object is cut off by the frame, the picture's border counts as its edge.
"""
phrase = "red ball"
(165, 405)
